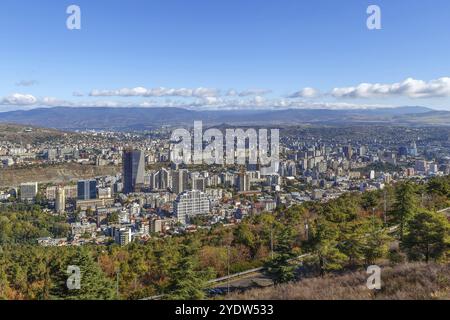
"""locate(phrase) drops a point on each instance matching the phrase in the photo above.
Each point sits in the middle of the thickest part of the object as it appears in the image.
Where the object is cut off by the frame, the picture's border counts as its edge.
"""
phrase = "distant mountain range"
(148, 118)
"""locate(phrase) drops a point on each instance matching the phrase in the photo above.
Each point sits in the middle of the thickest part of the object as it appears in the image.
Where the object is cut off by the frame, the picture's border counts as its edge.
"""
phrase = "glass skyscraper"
(87, 189)
(133, 170)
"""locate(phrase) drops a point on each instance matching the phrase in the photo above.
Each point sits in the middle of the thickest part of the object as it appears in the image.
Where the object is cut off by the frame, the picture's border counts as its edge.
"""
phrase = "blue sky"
(240, 53)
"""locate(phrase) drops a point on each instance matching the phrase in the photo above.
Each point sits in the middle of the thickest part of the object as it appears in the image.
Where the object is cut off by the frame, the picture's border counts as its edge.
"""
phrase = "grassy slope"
(403, 282)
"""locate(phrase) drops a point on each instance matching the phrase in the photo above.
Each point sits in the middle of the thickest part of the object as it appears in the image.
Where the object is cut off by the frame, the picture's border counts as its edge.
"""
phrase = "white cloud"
(259, 102)
(212, 99)
(27, 83)
(204, 103)
(254, 92)
(175, 92)
(156, 92)
(305, 93)
(410, 88)
(18, 99)
(232, 93)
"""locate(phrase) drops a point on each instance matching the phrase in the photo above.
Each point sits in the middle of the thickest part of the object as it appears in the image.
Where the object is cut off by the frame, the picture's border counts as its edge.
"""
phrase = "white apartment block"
(191, 203)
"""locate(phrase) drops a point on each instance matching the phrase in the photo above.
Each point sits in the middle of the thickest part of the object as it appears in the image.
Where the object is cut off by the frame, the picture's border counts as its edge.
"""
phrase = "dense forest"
(350, 232)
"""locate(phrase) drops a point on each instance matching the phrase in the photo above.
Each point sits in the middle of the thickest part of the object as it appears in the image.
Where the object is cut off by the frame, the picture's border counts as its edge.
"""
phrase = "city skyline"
(225, 55)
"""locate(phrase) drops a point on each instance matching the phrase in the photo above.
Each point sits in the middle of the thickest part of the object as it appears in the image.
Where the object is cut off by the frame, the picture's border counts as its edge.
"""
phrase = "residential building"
(87, 189)
(28, 191)
(189, 204)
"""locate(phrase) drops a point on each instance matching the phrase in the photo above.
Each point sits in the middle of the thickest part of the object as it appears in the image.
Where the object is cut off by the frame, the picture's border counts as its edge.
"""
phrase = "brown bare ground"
(403, 282)
(62, 173)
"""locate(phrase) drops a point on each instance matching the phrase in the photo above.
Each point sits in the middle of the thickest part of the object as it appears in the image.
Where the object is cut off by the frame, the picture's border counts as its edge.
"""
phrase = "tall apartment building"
(348, 151)
(421, 166)
(243, 182)
(28, 191)
(161, 180)
(199, 183)
(288, 169)
(180, 181)
(122, 236)
(60, 201)
(71, 192)
(133, 170)
(87, 189)
(189, 204)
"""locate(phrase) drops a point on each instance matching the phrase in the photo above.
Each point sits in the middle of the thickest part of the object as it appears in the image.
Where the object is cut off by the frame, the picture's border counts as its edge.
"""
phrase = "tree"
(428, 237)
(375, 241)
(439, 190)
(439, 186)
(369, 200)
(405, 205)
(39, 199)
(5, 229)
(325, 252)
(186, 282)
(245, 236)
(215, 257)
(351, 240)
(280, 266)
(4, 283)
(94, 285)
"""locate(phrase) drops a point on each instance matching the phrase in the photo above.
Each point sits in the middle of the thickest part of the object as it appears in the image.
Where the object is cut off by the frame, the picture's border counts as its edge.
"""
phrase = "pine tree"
(428, 237)
(439, 186)
(405, 206)
(94, 285)
(369, 200)
(325, 247)
(351, 240)
(375, 241)
(280, 267)
(186, 282)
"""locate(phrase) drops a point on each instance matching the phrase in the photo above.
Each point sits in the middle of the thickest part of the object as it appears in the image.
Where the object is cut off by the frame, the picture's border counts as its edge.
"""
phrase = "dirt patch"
(62, 173)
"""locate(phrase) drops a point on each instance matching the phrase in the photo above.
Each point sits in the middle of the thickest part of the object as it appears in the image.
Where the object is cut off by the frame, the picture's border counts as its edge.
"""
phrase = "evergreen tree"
(280, 267)
(428, 237)
(94, 285)
(351, 240)
(405, 206)
(324, 247)
(375, 241)
(186, 282)
(369, 200)
(439, 186)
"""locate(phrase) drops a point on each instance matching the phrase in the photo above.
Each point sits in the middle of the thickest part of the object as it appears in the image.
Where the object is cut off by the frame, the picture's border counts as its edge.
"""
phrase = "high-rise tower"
(133, 170)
